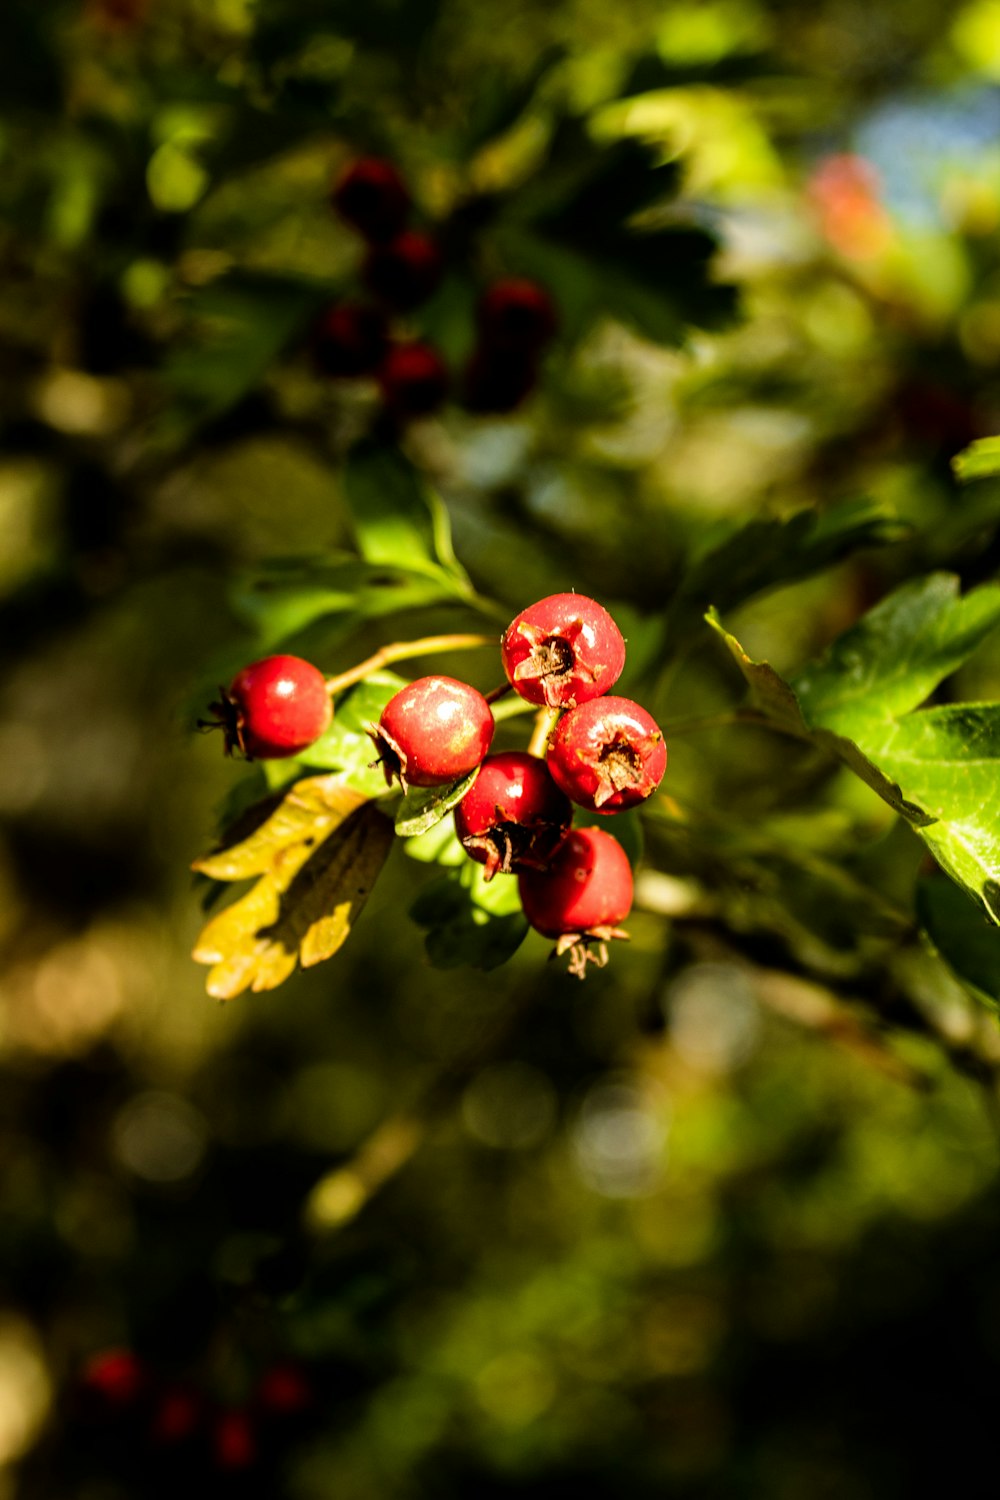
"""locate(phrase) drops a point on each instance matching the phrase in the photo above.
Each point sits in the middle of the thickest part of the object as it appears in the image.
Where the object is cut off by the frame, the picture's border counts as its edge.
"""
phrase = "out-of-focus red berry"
(350, 339)
(414, 380)
(372, 196)
(517, 315)
(404, 271)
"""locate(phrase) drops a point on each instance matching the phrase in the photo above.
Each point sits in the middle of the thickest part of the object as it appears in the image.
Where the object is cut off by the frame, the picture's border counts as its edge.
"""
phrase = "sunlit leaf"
(293, 823)
(981, 460)
(301, 911)
(398, 520)
(423, 807)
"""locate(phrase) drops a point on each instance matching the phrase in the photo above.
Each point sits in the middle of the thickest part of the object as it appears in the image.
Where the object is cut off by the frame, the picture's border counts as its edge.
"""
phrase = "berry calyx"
(273, 708)
(371, 196)
(607, 754)
(581, 896)
(497, 381)
(405, 271)
(516, 314)
(562, 651)
(350, 339)
(433, 731)
(414, 380)
(513, 816)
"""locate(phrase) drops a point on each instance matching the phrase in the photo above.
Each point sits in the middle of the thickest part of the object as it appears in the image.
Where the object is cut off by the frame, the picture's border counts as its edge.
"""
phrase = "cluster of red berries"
(402, 268)
(116, 1387)
(604, 753)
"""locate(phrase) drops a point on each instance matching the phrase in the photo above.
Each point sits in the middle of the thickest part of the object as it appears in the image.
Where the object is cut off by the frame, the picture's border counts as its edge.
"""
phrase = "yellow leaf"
(301, 910)
(297, 820)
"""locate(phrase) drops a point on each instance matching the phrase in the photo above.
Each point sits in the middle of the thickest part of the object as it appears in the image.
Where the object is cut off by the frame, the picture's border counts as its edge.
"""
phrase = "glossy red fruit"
(562, 651)
(371, 195)
(514, 815)
(433, 731)
(581, 896)
(414, 380)
(405, 271)
(350, 339)
(274, 708)
(114, 1380)
(607, 754)
(497, 381)
(516, 314)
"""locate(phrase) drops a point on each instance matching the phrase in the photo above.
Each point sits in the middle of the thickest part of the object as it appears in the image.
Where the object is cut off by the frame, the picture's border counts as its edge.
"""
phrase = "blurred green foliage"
(721, 1221)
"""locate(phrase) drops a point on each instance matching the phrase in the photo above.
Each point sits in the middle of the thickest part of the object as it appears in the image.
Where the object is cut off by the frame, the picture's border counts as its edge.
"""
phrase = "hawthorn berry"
(607, 754)
(513, 815)
(284, 1390)
(517, 315)
(372, 196)
(405, 271)
(273, 708)
(562, 651)
(234, 1441)
(414, 380)
(581, 896)
(433, 731)
(113, 1380)
(351, 338)
(177, 1417)
(497, 380)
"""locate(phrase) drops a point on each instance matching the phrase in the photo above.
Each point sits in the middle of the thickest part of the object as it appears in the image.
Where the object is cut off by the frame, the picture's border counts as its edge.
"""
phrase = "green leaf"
(301, 911)
(969, 945)
(467, 922)
(346, 745)
(897, 654)
(290, 597)
(281, 828)
(981, 460)
(424, 807)
(768, 552)
(239, 326)
(398, 521)
(938, 767)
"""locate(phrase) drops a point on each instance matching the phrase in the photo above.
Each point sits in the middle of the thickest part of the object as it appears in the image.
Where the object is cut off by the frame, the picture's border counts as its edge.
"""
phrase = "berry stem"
(498, 692)
(545, 722)
(400, 651)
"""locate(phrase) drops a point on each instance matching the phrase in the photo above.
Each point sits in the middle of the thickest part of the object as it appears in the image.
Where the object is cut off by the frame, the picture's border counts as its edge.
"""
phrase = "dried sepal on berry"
(514, 816)
(562, 651)
(580, 897)
(607, 755)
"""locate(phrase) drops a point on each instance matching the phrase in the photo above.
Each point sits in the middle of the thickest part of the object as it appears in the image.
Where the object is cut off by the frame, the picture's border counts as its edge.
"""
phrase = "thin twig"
(401, 650)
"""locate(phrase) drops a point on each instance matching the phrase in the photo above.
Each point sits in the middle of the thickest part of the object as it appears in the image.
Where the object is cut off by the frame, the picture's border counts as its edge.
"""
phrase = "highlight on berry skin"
(433, 731)
(273, 709)
(562, 651)
(607, 755)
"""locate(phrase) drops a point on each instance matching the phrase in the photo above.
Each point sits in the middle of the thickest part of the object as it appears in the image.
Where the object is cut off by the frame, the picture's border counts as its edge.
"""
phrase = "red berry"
(607, 754)
(497, 380)
(405, 271)
(514, 815)
(350, 339)
(562, 651)
(114, 1379)
(517, 314)
(582, 895)
(371, 195)
(284, 1390)
(177, 1416)
(414, 380)
(274, 708)
(234, 1443)
(433, 731)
